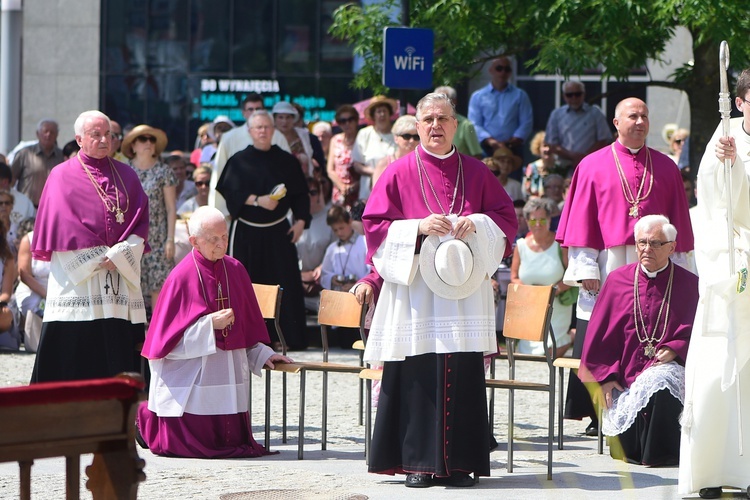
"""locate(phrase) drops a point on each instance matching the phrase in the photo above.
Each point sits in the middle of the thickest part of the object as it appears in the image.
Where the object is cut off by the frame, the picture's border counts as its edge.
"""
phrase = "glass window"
(298, 36)
(252, 47)
(335, 55)
(168, 36)
(209, 36)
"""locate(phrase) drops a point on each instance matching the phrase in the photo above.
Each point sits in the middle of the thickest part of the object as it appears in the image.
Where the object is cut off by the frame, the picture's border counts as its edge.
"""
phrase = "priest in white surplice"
(431, 333)
(92, 227)
(715, 445)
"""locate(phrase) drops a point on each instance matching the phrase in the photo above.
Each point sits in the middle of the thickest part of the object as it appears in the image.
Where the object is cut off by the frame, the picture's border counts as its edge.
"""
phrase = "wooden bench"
(72, 418)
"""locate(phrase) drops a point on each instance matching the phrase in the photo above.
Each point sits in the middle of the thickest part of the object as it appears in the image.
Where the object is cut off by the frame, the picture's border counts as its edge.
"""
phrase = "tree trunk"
(703, 92)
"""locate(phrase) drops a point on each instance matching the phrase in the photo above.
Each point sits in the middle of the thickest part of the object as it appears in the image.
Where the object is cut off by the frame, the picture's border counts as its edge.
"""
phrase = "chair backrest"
(269, 300)
(528, 311)
(340, 309)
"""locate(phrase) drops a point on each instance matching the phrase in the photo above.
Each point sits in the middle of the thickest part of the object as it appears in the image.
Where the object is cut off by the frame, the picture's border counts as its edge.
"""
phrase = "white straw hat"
(453, 269)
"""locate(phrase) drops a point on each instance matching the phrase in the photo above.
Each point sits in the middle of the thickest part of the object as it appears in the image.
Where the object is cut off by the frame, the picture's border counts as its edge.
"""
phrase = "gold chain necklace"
(649, 350)
(220, 297)
(459, 178)
(113, 207)
(626, 191)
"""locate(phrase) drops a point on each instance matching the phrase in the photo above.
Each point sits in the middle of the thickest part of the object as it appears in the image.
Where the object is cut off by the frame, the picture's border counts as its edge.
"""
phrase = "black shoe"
(139, 438)
(418, 481)
(710, 492)
(460, 480)
(592, 429)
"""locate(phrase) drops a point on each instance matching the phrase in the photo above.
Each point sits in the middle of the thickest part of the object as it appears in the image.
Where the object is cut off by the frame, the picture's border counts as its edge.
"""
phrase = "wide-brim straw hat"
(504, 152)
(453, 268)
(219, 119)
(380, 100)
(139, 130)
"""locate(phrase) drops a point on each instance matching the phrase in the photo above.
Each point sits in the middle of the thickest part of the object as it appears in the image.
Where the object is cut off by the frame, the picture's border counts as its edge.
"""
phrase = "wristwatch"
(255, 201)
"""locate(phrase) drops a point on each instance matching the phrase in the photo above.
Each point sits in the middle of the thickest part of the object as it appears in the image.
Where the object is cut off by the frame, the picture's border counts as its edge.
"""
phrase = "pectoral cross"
(649, 351)
(633, 211)
(220, 299)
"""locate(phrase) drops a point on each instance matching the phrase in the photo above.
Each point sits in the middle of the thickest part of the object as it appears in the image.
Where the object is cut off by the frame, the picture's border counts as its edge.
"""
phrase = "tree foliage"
(568, 37)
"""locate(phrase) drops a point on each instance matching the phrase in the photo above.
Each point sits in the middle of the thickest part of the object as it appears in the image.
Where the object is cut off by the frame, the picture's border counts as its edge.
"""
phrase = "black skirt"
(270, 258)
(82, 350)
(578, 400)
(654, 437)
(432, 417)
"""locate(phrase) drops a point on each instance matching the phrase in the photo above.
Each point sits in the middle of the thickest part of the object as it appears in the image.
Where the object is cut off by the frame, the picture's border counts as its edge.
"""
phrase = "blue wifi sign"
(407, 58)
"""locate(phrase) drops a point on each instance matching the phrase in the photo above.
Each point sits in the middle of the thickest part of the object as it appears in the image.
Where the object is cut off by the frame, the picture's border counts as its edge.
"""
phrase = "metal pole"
(11, 22)
(404, 22)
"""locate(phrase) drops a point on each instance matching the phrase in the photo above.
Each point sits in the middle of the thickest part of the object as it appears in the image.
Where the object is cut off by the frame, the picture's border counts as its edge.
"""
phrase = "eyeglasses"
(202, 183)
(408, 137)
(314, 192)
(116, 136)
(348, 119)
(573, 94)
(6, 203)
(537, 222)
(500, 68)
(146, 138)
(655, 244)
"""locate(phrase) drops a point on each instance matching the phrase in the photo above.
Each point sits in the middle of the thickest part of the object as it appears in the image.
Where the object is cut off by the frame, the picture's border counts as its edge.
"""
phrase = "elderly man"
(206, 336)
(31, 166)
(636, 347)
(260, 185)
(434, 321)
(501, 112)
(716, 421)
(465, 140)
(92, 227)
(577, 128)
(114, 148)
(233, 142)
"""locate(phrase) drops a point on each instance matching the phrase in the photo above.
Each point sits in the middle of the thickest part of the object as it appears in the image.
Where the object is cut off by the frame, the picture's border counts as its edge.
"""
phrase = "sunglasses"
(314, 192)
(499, 68)
(202, 183)
(678, 141)
(348, 119)
(537, 222)
(146, 138)
(496, 172)
(407, 137)
(573, 94)
(6, 203)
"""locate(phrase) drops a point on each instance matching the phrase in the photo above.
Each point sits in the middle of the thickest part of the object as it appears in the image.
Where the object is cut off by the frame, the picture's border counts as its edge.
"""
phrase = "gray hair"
(447, 90)
(573, 83)
(534, 204)
(649, 222)
(201, 217)
(259, 113)
(552, 177)
(322, 127)
(41, 123)
(93, 114)
(432, 99)
(403, 124)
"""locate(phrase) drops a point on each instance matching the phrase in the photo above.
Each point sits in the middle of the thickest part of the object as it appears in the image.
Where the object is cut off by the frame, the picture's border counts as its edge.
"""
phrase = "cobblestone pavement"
(340, 472)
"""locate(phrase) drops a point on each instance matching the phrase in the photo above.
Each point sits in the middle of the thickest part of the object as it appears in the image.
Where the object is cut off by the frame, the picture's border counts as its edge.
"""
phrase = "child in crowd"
(344, 260)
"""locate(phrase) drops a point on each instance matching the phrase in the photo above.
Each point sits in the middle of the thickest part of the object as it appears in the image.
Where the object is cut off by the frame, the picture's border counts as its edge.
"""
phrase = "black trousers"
(578, 403)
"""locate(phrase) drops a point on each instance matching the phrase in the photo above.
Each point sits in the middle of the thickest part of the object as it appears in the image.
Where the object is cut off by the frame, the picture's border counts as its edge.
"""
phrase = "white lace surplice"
(80, 290)
(625, 407)
(410, 319)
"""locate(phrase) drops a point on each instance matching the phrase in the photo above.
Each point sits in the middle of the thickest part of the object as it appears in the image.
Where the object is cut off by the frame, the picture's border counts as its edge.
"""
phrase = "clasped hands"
(440, 225)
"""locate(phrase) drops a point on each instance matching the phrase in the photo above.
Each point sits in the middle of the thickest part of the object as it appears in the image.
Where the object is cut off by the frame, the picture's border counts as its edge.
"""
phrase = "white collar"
(439, 157)
(632, 150)
(653, 275)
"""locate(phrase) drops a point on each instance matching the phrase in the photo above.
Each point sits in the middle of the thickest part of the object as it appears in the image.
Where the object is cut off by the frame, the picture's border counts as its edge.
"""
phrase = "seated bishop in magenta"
(206, 335)
(636, 345)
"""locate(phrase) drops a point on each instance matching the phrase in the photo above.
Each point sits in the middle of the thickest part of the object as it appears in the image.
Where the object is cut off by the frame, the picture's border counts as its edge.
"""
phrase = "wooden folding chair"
(269, 300)
(573, 364)
(527, 317)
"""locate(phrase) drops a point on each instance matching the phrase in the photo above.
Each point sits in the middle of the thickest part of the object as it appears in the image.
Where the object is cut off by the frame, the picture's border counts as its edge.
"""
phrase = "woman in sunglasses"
(340, 169)
(144, 145)
(677, 142)
(539, 260)
(406, 138)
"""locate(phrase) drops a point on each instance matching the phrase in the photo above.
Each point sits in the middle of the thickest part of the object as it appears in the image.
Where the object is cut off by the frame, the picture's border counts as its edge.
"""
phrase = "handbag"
(569, 296)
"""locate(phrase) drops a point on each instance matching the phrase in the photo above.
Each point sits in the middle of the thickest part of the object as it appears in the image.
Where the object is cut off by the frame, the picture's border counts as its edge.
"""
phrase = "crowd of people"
(116, 250)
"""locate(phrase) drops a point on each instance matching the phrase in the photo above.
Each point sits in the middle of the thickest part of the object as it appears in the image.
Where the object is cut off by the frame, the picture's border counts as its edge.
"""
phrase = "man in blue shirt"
(501, 112)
